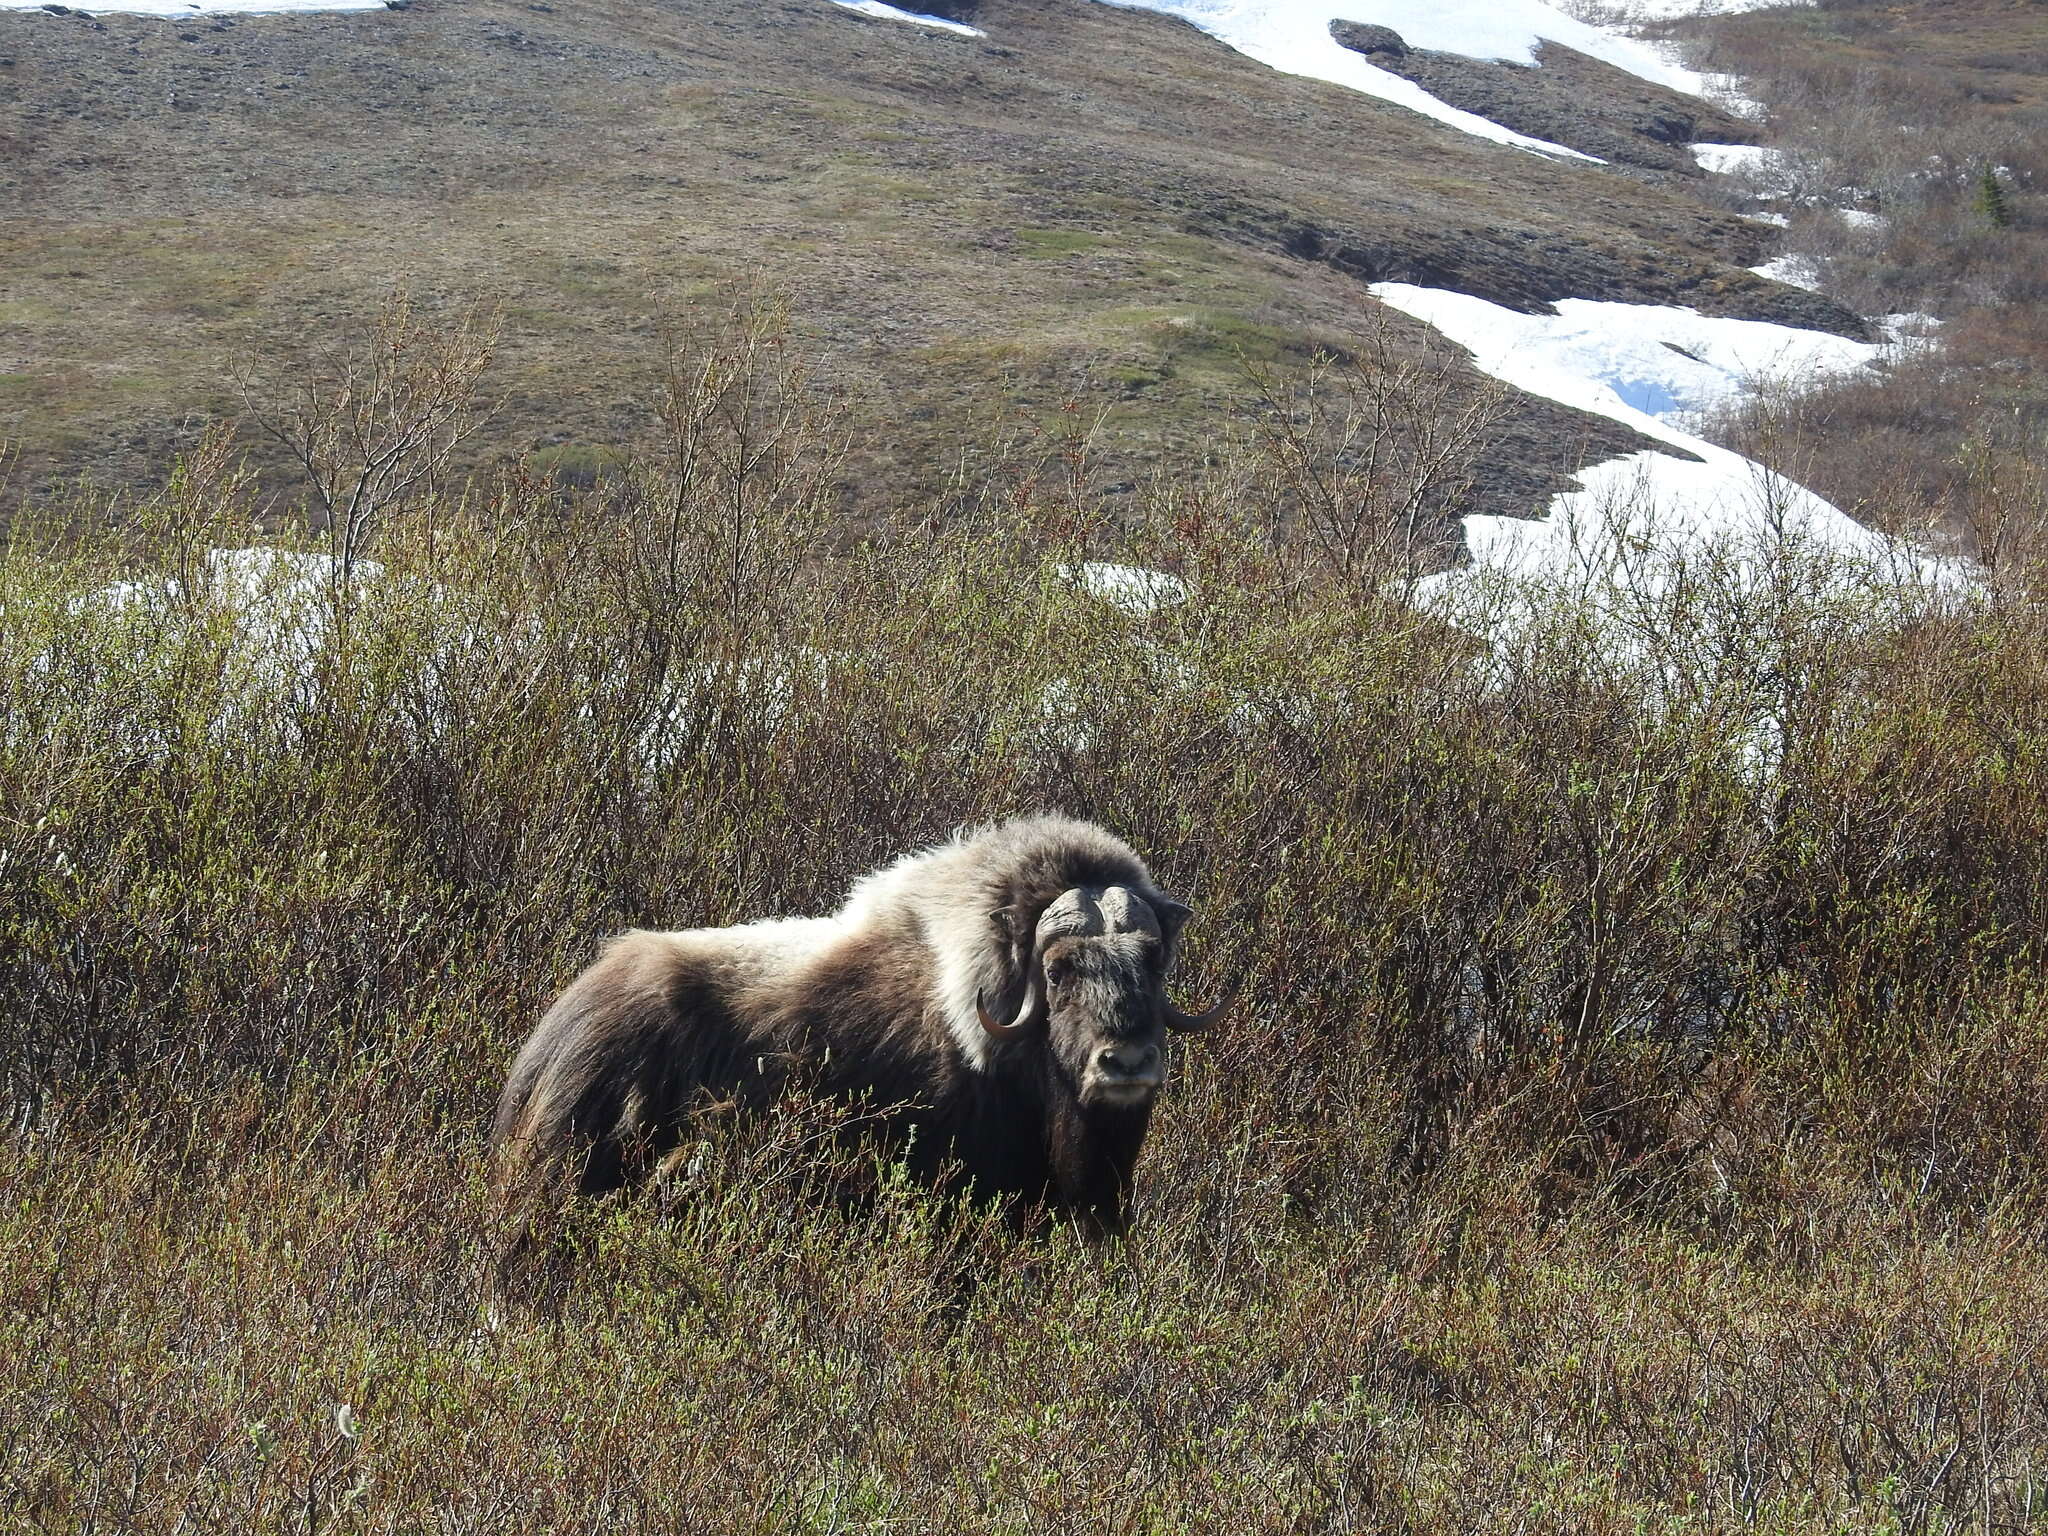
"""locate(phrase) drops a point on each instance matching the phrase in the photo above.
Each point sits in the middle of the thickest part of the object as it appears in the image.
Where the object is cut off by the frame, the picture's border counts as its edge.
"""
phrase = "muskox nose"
(1128, 1059)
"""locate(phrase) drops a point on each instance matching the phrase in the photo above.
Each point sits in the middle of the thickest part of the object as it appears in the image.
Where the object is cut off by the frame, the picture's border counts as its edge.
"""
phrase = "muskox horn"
(1190, 1023)
(1028, 1013)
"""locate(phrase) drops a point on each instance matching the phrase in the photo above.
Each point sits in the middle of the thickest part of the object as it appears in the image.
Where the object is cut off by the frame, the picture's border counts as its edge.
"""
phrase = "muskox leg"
(1094, 1157)
(540, 1245)
(579, 1133)
(533, 1254)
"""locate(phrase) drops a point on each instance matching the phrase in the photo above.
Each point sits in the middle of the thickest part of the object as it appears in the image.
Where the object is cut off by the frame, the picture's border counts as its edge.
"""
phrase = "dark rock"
(1570, 98)
(59, 10)
(963, 11)
(1529, 270)
(1364, 37)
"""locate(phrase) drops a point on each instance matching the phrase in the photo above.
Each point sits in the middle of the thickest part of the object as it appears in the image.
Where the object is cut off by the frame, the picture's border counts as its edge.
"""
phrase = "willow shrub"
(1634, 1121)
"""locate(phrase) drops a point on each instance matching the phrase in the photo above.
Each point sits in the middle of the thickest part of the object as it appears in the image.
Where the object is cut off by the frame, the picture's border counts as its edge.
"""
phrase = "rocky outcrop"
(1568, 98)
(1366, 38)
(1531, 269)
(967, 12)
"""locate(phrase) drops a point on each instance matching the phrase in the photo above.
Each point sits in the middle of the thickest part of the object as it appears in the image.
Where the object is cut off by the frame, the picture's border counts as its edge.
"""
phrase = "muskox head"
(1094, 980)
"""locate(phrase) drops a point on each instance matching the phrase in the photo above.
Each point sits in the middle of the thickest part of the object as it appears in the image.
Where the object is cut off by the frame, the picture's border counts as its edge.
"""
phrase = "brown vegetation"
(1639, 1124)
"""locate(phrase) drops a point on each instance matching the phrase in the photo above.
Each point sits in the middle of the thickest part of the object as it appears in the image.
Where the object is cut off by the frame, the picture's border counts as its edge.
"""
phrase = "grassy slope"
(1094, 202)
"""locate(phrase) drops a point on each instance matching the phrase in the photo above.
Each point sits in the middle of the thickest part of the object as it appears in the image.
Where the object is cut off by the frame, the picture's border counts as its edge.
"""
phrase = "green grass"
(579, 465)
(1055, 244)
(30, 312)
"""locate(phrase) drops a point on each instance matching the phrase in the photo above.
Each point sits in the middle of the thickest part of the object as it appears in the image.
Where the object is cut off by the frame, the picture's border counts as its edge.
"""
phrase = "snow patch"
(280, 601)
(891, 13)
(172, 9)
(1132, 588)
(1507, 31)
(1910, 324)
(246, 579)
(1911, 332)
(1792, 270)
(1768, 174)
(1636, 519)
(1642, 364)
(1727, 159)
(1857, 218)
(1293, 36)
(280, 608)
(1728, 92)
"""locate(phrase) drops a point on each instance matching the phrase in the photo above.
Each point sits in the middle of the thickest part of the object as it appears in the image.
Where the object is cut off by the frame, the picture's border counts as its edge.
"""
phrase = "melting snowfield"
(891, 13)
(1628, 361)
(1636, 517)
(1736, 159)
(1294, 36)
(1653, 368)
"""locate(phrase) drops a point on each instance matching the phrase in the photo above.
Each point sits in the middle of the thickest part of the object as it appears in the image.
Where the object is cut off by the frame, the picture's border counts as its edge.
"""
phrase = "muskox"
(996, 1005)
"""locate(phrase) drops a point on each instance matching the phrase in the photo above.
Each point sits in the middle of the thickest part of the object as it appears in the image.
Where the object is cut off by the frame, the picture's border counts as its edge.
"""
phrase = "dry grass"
(1622, 1137)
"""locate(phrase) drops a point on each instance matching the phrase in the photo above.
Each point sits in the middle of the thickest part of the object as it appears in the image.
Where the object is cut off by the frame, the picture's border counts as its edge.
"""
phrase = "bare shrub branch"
(374, 427)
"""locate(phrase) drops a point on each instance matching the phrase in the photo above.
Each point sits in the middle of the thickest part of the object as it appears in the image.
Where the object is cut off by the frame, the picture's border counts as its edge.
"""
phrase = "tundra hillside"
(1633, 1120)
(1088, 202)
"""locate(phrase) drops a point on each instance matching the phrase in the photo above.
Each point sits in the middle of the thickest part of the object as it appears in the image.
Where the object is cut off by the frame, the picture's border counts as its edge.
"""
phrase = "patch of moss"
(577, 466)
(1052, 244)
(1134, 377)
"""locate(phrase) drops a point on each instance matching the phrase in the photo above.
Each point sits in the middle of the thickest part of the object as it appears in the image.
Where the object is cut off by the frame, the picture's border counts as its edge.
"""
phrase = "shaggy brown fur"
(878, 1004)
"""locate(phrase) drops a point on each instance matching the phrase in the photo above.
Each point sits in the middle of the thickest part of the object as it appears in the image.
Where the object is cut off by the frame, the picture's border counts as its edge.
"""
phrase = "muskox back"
(658, 1022)
(887, 1001)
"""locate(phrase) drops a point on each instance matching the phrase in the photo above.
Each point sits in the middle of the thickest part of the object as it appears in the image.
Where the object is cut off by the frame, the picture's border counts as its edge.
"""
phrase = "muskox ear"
(1172, 916)
(1010, 925)
(1015, 934)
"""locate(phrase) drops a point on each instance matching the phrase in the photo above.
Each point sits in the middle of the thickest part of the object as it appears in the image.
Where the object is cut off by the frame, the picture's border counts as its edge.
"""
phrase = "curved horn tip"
(1216, 1013)
(1016, 1026)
